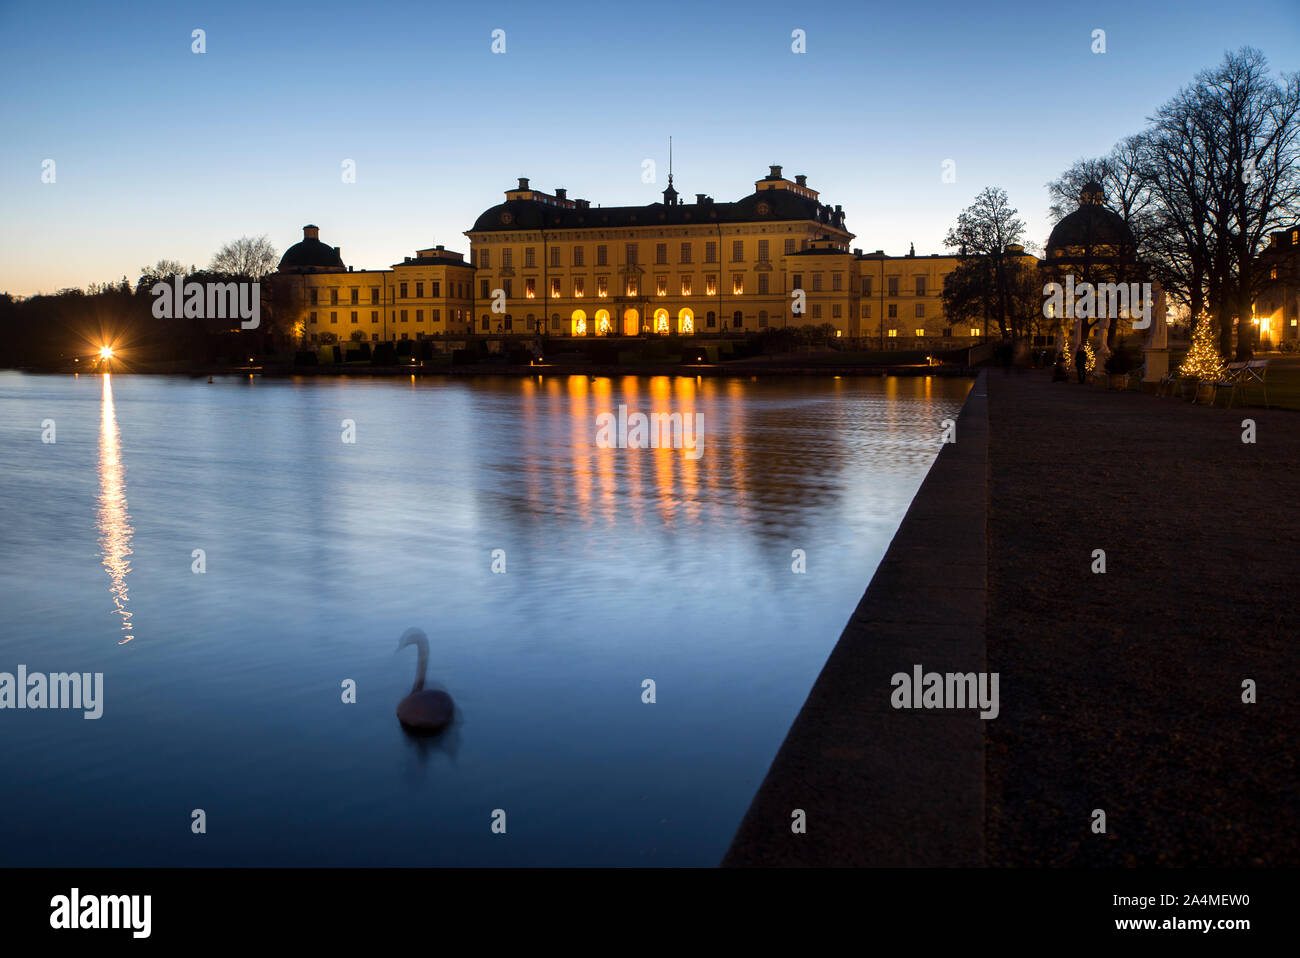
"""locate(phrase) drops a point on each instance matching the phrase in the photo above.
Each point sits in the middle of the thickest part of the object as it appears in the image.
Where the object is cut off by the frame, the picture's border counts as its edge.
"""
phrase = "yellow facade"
(428, 295)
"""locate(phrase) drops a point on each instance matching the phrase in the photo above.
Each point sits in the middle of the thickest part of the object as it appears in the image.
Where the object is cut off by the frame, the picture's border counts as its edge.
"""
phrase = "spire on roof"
(670, 194)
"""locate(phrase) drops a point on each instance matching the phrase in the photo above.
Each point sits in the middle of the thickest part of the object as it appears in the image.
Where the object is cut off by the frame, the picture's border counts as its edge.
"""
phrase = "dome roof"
(311, 253)
(1093, 224)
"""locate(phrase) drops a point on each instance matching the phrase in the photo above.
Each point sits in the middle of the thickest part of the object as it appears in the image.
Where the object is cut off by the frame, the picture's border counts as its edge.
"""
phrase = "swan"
(427, 710)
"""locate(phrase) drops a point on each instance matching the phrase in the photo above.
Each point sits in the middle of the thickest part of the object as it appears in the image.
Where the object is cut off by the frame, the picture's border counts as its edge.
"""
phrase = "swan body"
(425, 710)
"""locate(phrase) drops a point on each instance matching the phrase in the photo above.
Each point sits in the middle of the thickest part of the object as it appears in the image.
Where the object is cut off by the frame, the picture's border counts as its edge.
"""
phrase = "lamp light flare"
(106, 352)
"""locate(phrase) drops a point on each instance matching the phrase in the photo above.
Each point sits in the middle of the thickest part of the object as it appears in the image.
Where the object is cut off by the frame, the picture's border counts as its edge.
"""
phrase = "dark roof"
(433, 261)
(535, 214)
(311, 253)
(1093, 224)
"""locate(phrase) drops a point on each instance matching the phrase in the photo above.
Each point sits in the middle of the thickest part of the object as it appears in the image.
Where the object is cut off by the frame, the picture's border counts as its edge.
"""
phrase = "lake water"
(223, 691)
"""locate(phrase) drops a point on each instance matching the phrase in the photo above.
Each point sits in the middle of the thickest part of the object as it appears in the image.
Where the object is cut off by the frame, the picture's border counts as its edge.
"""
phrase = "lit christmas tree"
(1203, 362)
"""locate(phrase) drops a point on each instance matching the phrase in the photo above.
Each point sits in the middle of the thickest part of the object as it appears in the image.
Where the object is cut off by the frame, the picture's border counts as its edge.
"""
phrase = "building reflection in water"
(114, 523)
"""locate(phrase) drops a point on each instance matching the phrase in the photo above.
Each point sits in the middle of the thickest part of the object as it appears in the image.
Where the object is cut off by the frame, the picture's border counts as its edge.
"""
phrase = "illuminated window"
(555, 289)
(661, 321)
(893, 333)
(602, 285)
(577, 288)
(738, 283)
(1272, 274)
(920, 333)
(686, 286)
(631, 286)
(661, 286)
(710, 286)
(530, 288)
(974, 331)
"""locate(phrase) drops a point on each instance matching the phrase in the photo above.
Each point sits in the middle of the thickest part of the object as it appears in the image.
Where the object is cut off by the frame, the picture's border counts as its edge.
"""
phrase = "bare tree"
(983, 231)
(249, 256)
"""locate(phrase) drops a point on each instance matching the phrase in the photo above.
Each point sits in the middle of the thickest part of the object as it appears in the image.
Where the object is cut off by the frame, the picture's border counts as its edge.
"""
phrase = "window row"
(631, 253)
(400, 315)
(455, 290)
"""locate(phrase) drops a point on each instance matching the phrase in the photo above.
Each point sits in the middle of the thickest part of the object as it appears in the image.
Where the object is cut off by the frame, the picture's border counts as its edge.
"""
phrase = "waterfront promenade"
(1119, 690)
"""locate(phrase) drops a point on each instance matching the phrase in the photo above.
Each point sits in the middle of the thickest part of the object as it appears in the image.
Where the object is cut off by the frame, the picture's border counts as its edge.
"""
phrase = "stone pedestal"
(1157, 360)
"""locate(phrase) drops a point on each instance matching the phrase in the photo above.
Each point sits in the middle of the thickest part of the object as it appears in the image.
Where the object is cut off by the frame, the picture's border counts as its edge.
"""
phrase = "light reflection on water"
(114, 523)
(621, 565)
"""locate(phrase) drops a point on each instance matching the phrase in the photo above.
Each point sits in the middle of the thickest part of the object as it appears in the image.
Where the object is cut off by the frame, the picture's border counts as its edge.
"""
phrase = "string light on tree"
(1203, 362)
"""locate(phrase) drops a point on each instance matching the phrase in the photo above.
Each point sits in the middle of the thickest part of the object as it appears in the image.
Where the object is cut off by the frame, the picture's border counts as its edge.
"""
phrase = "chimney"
(561, 193)
(774, 172)
(349, 269)
(801, 180)
(311, 232)
(523, 182)
(338, 253)
(700, 198)
(438, 247)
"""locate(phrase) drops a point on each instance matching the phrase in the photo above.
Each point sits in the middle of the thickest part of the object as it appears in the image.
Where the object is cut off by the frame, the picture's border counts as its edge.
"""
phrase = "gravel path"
(1123, 691)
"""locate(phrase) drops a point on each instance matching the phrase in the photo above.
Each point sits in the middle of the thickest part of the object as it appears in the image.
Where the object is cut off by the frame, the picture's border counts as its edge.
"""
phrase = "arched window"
(686, 322)
(602, 322)
(579, 323)
(661, 321)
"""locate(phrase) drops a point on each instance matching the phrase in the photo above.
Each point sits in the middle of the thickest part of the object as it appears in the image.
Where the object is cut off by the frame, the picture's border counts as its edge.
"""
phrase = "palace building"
(541, 262)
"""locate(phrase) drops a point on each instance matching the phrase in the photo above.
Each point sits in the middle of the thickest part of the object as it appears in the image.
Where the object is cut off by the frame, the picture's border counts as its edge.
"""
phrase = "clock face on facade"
(507, 217)
(762, 209)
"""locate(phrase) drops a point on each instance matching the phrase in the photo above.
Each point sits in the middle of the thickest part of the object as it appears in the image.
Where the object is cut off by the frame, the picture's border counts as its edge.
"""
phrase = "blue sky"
(161, 152)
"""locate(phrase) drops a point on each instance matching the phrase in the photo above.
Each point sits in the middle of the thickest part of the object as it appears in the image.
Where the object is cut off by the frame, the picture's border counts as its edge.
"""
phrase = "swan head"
(412, 637)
